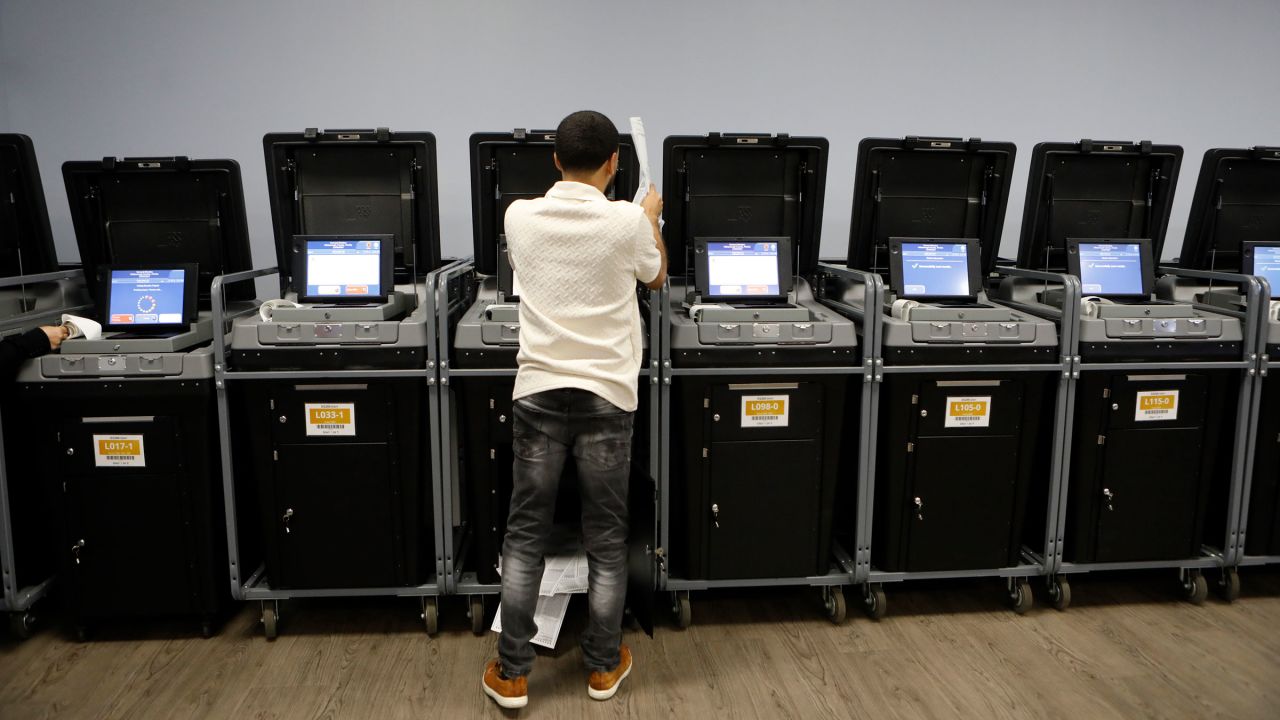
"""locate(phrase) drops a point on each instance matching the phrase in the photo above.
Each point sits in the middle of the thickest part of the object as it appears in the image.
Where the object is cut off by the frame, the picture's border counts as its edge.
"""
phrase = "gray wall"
(206, 79)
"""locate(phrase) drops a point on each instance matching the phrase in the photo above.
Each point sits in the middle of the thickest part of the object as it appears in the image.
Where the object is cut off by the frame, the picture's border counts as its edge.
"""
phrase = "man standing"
(578, 257)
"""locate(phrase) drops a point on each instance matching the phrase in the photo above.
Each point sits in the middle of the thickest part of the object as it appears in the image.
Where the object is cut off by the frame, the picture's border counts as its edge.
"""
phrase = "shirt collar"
(569, 190)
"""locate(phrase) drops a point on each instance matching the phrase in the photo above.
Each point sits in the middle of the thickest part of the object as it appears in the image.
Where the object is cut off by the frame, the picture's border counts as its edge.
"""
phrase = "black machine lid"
(1237, 200)
(1095, 189)
(26, 243)
(161, 210)
(924, 187)
(517, 165)
(356, 182)
(747, 185)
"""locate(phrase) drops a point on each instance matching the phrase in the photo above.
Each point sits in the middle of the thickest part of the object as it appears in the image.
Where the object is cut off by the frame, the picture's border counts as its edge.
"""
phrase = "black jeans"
(547, 426)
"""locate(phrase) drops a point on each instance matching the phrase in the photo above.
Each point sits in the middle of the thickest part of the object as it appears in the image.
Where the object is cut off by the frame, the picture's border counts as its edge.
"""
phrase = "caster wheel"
(682, 610)
(1060, 593)
(475, 611)
(1020, 596)
(82, 633)
(206, 630)
(270, 622)
(835, 606)
(1229, 585)
(1195, 588)
(21, 624)
(431, 615)
(874, 602)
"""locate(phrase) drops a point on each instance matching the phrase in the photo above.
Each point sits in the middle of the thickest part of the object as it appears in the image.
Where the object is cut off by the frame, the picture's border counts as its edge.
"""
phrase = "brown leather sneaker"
(510, 693)
(603, 685)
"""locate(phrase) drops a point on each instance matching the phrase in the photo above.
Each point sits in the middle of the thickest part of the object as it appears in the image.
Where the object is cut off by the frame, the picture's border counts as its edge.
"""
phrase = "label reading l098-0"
(118, 451)
(331, 418)
(765, 411)
(968, 411)
(1156, 405)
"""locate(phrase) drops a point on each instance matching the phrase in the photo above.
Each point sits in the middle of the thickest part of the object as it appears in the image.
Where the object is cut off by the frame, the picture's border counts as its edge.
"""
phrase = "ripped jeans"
(547, 426)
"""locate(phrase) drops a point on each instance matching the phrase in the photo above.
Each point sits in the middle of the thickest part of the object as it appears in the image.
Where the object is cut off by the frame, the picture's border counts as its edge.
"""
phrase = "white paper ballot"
(548, 616)
(82, 327)
(642, 152)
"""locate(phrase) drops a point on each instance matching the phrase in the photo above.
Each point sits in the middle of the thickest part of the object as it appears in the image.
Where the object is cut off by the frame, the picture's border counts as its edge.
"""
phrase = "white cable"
(268, 308)
(696, 310)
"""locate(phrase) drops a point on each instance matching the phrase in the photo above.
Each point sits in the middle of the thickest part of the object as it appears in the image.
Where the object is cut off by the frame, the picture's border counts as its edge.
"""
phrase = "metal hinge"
(911, 447)
(490, 403)
(272, 403)
(275, 455)
(915, 399)
(705, 453)
(493, 454)
(1102, 439)
(1106, 392)
(706, 402)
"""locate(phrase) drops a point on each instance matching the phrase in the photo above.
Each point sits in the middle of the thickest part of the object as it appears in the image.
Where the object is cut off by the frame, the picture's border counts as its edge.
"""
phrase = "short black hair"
(585, 140)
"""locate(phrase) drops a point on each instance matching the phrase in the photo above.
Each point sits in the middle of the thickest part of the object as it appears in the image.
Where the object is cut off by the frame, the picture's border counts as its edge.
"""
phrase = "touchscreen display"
(935, 270)
(742, 269)
(344, 268)
(1111, 269)
(147, 297)
(1266, 262)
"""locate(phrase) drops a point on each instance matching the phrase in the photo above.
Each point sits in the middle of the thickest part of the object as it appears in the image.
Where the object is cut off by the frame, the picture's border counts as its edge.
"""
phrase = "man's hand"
(652, 203)
(56, 334)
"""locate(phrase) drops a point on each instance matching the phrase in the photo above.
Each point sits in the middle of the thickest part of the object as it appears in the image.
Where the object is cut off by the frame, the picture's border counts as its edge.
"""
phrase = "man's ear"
(556, 158)
(613, 163)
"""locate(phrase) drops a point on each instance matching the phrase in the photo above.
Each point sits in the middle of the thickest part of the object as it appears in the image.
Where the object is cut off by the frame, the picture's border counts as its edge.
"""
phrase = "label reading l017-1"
(765, 411)
(968, 411)
(118, 451)
(1156, 405)
(331, 418)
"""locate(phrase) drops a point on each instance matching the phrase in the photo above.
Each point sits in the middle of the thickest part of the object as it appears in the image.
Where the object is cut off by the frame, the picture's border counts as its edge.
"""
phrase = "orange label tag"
(765, 411)
(1155, 405)
(118, 451)
(968, 411)
(331, 418)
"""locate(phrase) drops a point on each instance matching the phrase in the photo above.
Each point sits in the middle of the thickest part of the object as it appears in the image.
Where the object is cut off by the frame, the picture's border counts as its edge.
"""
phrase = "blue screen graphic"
(344, 268)
(742, 269)
(935, 270)
(1266, 262)
(1111, 269)
(147, 297)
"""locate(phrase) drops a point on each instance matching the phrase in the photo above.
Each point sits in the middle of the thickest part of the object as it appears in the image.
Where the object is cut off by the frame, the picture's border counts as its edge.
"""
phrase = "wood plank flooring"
(1128, 648)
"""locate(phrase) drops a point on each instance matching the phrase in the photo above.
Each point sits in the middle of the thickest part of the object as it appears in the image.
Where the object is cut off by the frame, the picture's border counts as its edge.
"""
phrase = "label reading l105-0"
(1156, 405)
(765, 411)
(118, 451)
(968, 411)
(331, 418)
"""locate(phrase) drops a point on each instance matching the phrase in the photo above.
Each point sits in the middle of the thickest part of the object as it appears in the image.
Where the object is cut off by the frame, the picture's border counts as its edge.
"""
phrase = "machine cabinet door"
(964, 462)
(641, 545)
(1151, 467)
(127, 516)
(337, 516)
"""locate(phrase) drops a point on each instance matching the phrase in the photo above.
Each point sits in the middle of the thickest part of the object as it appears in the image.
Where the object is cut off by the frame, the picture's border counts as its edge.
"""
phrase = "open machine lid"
(26, 242)
(161, 210)
(925, 187)
(1094, 189)
(1237, 200)
(356, 182)
(517, 165)
(748, 185)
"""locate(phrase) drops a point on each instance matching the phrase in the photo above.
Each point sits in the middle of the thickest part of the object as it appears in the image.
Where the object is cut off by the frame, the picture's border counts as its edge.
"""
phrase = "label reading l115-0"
(765, 411)
(968, 411)
(1156, 405)
(118, 451)
(331, 418)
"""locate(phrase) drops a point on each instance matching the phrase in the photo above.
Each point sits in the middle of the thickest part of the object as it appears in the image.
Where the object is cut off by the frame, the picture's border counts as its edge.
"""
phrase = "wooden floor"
(1127, 648)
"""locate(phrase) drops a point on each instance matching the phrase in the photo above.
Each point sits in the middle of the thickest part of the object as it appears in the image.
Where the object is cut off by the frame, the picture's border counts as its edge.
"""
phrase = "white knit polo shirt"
(578, 256)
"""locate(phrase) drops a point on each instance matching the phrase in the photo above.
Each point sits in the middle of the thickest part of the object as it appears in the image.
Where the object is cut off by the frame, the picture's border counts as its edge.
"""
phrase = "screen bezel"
(973, 252)
(1144, 257)
(1247, 259)
(386, 269)
(190, 283)
(702, 269)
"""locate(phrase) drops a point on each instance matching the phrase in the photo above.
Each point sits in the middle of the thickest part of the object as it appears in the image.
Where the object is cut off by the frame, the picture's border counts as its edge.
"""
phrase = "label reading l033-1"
(331, 418)
(968, 411)
(1156, 405)
(118, 451)
(765, 411)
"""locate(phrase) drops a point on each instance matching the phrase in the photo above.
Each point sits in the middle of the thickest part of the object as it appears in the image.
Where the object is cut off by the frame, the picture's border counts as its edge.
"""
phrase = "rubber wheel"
(1229, 586)
(1195, 588)
(475, 611)
(206, 629)
(875, 603)
(683, 611)
(269, 622)
(835, 605)
(1020, 598)
(1060, 593)
(21, 624)
(431, 615)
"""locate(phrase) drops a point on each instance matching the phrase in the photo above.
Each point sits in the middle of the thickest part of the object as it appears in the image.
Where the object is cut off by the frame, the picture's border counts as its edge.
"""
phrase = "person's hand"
(652, 203)
(56, 334)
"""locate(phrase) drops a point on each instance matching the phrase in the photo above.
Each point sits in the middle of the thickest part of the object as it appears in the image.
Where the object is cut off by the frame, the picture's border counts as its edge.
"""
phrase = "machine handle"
(919, 509)
(715, 514)
(75, 551)
(287, 515)
(1106, 493)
